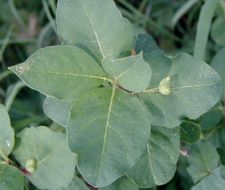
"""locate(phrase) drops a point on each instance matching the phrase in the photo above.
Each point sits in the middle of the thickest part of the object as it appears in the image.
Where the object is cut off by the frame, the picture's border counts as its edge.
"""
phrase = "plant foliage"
(125, 105)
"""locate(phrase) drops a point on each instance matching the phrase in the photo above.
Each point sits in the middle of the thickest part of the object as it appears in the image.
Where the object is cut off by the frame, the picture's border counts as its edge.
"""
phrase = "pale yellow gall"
(31, 165)
(165, 86)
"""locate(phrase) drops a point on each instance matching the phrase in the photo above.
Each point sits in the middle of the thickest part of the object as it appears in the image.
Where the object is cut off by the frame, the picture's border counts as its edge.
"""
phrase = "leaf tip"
(20, 69)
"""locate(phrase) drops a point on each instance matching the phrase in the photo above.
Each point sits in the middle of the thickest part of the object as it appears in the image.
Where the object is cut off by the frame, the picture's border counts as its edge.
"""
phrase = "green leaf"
(219, 65)
(212, 118)
(132, 73)
(145, 43)
(222, 5)
(180, 87)
(6, 134)
(203, 159)
(190, 132)
(217, 137)
(45, 154)
(221, 152)
(109, 131)
(10, 178)
(98, 25)
(158, 164)
(65, 72)
(121, 184)
(76, 184)
(218, 29)
(57, 110)
(203, 28)
(213, 181)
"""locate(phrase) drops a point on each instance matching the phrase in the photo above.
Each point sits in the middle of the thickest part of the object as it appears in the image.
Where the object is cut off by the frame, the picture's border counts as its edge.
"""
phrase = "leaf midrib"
(94, 30)
(106, 128)
(75, 75)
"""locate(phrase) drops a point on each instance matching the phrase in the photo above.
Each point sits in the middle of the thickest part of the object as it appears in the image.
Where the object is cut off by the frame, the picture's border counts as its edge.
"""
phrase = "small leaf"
(213, 181)
(145, 43)
(203, 159)
(132, 73)
(6, 134)
(219, 65)
(217, 138)
(10, 178)
(55, 163)
(158, 164)
(65, 72)
(121, 184)
(98, 25)
(211, 119)
(190, 132)
(194, 88)
(76, 184)
(57, 110)
(109, 130)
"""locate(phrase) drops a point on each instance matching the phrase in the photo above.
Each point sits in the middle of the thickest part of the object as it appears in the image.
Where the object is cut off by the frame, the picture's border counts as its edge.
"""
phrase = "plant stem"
(49, 16)
(4, 156)
(17, 87)
(5, 74)
(5, 42)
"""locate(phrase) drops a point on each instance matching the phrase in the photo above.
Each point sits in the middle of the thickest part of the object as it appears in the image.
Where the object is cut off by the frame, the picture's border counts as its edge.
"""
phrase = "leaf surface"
(219, 65)
(213, 181)
(158, 164)
(98, 25)
(57, 110)
(121, 184)
(6, 134)
(109, 131)
(194, 88)
(203, 159)
(76, 184)
(64, 72)
(10, 178)
(190, 132)
(132, 73)
(55, 162)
